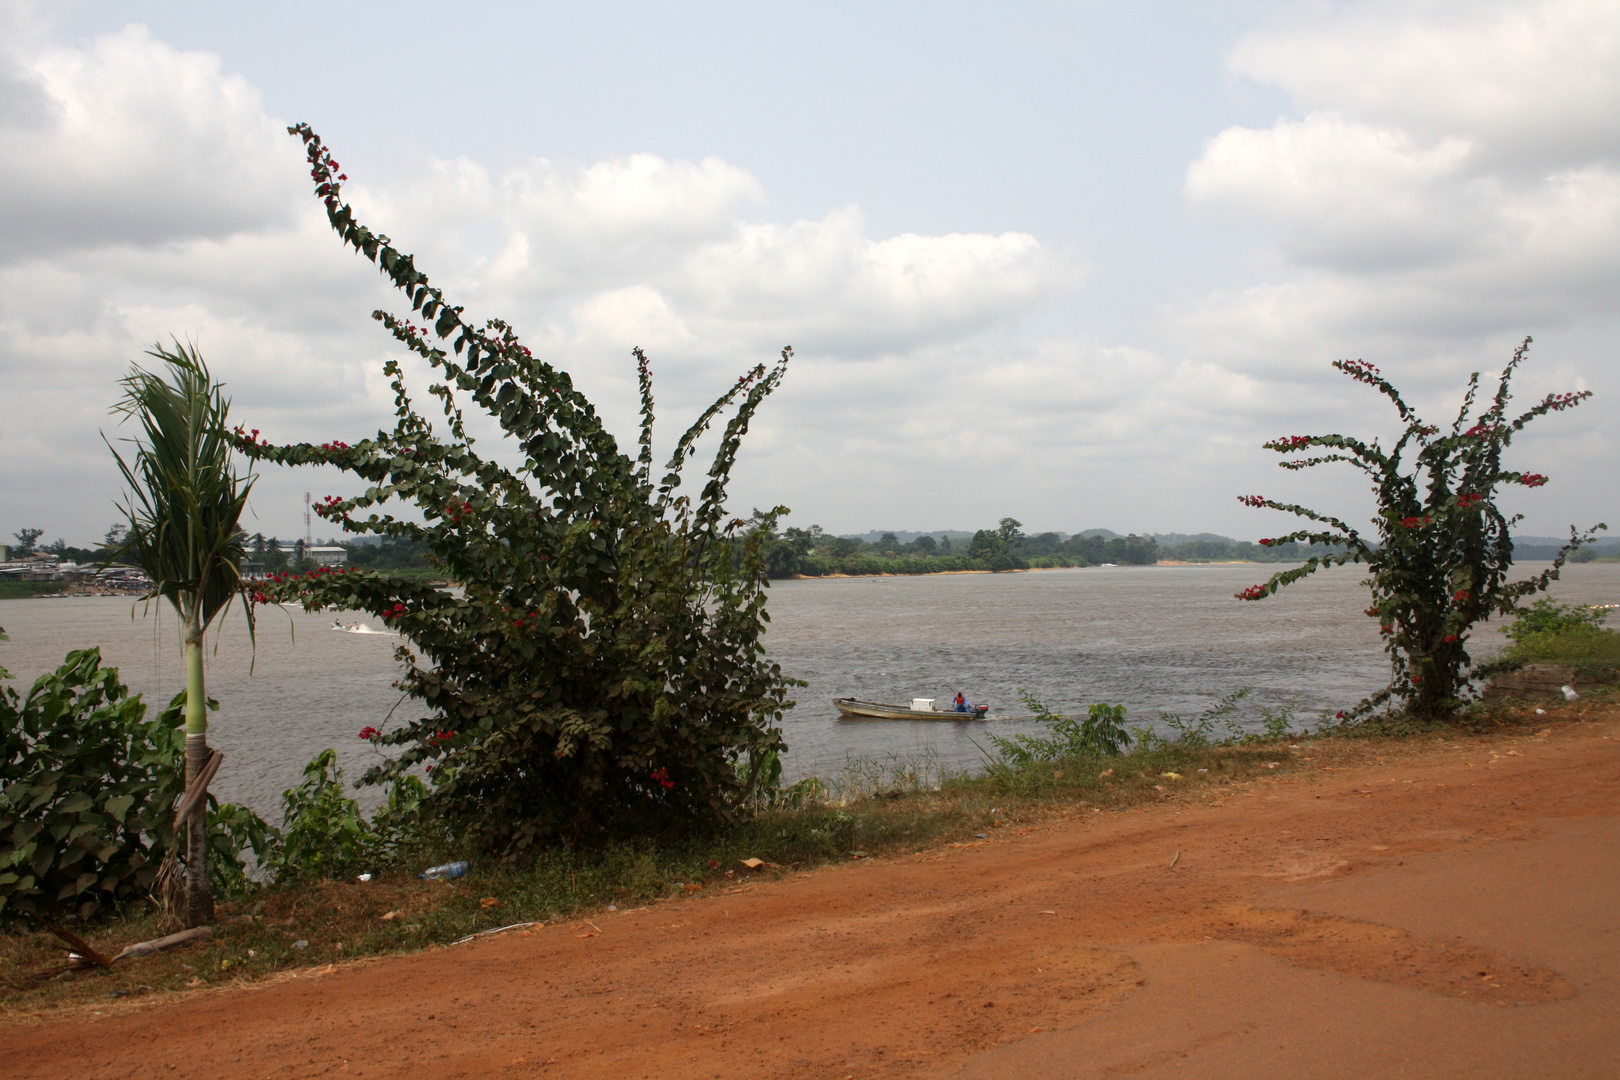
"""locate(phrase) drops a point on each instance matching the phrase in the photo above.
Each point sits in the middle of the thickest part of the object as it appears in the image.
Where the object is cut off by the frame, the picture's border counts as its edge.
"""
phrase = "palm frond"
(185, 499)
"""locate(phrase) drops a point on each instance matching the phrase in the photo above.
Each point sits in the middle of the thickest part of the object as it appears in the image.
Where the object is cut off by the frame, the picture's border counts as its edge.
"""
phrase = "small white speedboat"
(361, 628)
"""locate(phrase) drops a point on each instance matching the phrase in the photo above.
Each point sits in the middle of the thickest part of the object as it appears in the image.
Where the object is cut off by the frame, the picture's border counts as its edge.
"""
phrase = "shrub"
(602, 673)
(1442, 550)
(87, 792)
(1101, 733)
(1573, 636)
(87, 786)
(1547, 616)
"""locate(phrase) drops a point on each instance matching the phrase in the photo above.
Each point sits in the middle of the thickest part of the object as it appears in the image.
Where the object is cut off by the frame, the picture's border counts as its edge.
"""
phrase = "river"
(1152, 638)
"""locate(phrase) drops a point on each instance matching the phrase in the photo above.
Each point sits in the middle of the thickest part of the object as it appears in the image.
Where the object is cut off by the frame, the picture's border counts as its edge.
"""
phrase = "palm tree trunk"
(199, 897)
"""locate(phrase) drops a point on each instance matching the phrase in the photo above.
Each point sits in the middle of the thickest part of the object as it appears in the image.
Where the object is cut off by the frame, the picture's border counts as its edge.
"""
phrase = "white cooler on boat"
(922, 704)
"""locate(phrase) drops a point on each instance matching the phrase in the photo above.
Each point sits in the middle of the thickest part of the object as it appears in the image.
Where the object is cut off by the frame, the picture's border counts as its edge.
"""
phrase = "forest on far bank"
(814, 552)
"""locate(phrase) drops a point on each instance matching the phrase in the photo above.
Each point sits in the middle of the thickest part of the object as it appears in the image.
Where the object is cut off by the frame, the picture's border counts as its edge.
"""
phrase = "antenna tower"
(309, 541)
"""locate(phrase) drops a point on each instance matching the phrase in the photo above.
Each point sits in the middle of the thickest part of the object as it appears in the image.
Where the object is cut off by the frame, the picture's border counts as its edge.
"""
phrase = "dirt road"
(1449, 910)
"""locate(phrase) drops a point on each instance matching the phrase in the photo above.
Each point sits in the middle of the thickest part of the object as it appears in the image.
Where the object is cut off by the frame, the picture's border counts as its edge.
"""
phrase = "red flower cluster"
(1560, 402)
(1359, 370)
(1252, 500)
(258, 596)
(1449, 638)
(1532, 479)
(1293, 442)
(1414, 522)
(395, 612)
(334, 446)
(1469, 499)
(1483, 429)
(1373, 611)
(455, 511)
(248, 438)
(1253, 592)
(1339, 715)
(661, 777)
(1461, 594)
(368, 732)
(440, 737)
(1267, 542)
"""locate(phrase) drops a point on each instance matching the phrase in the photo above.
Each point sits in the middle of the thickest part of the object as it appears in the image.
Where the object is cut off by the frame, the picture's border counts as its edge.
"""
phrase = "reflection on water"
(1151, 638)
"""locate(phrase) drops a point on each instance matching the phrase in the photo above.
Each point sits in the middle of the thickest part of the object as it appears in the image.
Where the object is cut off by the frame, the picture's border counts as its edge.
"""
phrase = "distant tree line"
(813, 552)
(1221, 549)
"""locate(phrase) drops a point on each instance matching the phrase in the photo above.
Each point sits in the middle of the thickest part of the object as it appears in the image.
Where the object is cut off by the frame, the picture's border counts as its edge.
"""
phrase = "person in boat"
(961, 702)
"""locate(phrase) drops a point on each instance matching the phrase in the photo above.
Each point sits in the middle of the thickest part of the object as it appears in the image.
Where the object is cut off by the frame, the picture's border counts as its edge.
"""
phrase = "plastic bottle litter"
(444, 872)
(1569, 693)
(365, 878)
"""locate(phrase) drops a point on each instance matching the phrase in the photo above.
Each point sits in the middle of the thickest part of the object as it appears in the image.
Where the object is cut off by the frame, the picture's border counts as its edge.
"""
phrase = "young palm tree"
(184, 504)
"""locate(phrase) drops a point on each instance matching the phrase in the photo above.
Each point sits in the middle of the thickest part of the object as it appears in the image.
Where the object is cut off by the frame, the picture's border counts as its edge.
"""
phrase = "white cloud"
(144, 192)
(1533, 83)
(1410, 206)
(131, 141)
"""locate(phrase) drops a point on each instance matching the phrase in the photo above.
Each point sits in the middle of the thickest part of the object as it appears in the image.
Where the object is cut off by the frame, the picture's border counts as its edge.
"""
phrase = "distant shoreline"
(1028, 570)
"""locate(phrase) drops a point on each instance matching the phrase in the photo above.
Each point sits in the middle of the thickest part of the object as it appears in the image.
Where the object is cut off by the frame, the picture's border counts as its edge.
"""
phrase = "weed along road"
(1415, 909)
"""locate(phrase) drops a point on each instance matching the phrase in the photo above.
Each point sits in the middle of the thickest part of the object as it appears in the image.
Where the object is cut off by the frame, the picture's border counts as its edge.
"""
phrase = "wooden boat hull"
(873, 710)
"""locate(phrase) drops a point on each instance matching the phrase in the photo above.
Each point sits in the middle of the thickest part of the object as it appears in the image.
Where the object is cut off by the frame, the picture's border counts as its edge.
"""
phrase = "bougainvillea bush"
(601, 671)
(1440, 549)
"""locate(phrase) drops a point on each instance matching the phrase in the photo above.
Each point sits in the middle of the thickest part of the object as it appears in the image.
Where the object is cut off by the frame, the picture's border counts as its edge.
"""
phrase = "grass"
(1592, 652)
(870, 809)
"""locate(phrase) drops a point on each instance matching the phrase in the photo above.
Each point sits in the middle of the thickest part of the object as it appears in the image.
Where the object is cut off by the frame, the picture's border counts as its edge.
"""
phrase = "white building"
(327, 555)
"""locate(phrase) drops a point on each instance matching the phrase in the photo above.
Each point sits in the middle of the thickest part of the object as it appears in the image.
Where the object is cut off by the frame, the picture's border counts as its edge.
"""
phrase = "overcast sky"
(1069, 263)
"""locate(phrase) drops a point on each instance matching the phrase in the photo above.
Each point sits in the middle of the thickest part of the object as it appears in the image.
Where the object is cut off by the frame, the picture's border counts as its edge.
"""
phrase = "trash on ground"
(497, 930)
(489, 902)
(444, 871)
(753, 864)
(364, 878)
(1569, 693)
(300, 944)
(392, 915)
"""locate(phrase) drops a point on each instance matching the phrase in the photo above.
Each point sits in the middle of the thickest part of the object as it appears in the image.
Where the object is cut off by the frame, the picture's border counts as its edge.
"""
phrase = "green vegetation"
(601, 675)
(814, 553)
(183, 505)
(1442, 553)
(22, 590)
(87, 791)
(87, 786)
(1572, 636)
(1209, 548)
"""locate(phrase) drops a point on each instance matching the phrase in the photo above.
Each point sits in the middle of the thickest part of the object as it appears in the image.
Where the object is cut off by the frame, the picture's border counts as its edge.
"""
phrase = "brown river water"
(1152, 638)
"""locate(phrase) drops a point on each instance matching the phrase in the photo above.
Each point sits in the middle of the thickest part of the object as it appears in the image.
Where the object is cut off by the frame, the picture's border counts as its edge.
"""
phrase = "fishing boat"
(919, 709)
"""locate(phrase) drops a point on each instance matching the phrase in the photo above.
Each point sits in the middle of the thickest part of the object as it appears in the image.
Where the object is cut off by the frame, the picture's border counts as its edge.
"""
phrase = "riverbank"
(1429, 906)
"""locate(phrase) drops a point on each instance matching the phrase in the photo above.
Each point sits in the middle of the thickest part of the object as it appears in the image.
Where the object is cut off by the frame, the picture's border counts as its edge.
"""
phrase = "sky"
(1067, 263)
